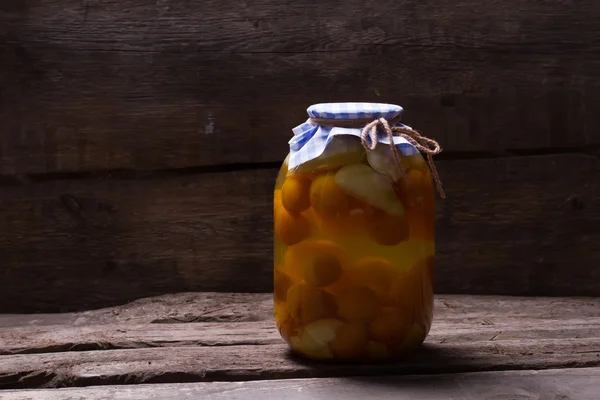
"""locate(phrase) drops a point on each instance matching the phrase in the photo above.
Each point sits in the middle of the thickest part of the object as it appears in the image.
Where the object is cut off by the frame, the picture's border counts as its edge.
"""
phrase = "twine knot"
(369, 132)
(424, 144)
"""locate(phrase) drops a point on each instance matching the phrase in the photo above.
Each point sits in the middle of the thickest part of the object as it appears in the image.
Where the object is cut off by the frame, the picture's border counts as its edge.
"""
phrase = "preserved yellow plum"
(352, 224)
(388, 230)
(377, 273)
(282, 284)
(354, 227)
(324, 270)
(295, 193)
(390, 325)
(285, 323)
(307, 303)
(291, 228)
(327, 198)
(317, 262)
(357, 303)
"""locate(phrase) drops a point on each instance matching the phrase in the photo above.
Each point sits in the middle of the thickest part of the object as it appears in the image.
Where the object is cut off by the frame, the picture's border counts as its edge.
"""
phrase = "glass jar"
(354, 239)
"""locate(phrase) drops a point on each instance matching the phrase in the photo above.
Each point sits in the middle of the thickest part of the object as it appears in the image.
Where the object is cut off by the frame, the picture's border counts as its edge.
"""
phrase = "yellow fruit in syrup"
(391, 325)
(327, 198)
(281, 284)
(375, 272)
(295, 193)
(357, 303)
(388, 230)
(306, 303)
(290, 228)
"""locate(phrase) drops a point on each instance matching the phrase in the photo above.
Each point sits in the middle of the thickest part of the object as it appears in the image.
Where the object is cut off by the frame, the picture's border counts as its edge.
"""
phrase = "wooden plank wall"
(139, 140)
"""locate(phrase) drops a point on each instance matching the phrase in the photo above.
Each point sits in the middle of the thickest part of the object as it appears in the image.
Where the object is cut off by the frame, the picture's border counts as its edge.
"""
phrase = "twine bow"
(369, 131)
(421, 143)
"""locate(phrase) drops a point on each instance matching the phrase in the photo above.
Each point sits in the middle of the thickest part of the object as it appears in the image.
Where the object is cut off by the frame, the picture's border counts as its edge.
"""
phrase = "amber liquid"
(353, 282)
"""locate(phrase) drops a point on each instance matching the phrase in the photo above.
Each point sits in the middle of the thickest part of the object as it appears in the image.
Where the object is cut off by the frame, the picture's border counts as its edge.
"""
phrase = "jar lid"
(311, 139)
(354, 110)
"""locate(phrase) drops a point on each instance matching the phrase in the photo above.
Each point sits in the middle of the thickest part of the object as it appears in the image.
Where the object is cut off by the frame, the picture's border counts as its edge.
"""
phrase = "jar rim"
(354, 110)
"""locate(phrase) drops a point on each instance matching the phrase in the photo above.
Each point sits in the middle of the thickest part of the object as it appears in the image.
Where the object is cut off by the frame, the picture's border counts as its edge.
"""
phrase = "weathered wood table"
(225, 346)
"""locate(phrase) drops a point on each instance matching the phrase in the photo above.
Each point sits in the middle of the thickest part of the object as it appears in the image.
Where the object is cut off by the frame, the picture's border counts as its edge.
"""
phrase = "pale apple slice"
(342, 150)
(362, 182)
(382, 161)
(316, 337)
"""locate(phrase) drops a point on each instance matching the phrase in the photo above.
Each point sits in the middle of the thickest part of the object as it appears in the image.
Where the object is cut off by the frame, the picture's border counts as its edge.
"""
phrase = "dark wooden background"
(139, 140)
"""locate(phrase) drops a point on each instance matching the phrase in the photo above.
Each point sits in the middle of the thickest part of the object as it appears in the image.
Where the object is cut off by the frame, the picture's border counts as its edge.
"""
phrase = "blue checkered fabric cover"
(310, 140)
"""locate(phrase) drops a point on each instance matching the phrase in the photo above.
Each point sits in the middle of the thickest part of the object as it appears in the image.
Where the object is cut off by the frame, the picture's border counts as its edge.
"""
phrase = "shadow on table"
(428, 373)
(428, 359)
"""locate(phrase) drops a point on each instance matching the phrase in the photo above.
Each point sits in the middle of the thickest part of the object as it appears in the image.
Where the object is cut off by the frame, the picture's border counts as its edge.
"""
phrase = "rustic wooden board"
(211, 307)
(222, 319)
(470, 333)
(137, 85)
(201, 307)
(521, 226)
(579, 383)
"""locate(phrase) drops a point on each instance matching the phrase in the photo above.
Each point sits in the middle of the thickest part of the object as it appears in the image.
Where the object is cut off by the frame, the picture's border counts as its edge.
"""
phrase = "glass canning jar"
(354, 236)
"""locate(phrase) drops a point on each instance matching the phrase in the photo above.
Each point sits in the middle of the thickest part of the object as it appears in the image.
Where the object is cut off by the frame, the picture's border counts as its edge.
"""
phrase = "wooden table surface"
(225, 346)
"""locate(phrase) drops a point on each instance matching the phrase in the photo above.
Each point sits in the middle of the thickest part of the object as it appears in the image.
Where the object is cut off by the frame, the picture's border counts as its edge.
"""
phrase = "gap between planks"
(563, 384)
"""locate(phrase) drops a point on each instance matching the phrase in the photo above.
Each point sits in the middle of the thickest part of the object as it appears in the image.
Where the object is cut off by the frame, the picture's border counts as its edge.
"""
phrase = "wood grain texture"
(520, 226)
(579, 383)
(513, 337)
(194, 307)
(248, 307)
(133, 84)
(225, 319)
